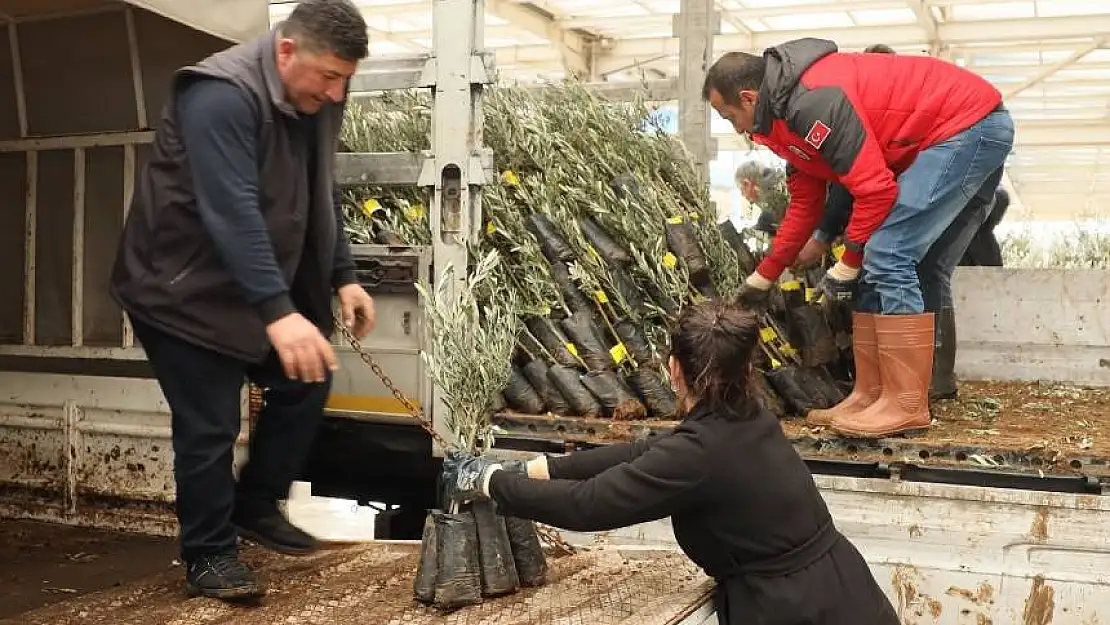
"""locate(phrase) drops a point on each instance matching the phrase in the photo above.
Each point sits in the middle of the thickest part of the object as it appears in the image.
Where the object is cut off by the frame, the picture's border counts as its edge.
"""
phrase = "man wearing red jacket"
(912, 139)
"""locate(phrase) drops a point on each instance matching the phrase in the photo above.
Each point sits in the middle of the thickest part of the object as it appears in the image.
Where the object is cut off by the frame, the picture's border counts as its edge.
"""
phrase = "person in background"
(231, 252)
(934, 272)
(743, 504)
(759, 184)
(878, 48)
(984, 250)
(912, 139)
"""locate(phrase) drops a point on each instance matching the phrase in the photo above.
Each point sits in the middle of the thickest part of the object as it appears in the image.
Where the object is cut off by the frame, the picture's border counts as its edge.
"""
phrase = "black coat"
(984, 250)
(744, 508)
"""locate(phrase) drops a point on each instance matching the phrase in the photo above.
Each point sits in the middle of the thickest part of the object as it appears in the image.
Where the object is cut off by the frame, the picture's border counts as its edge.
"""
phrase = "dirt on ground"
(45, 563)
(1018, 416)
(372, 584)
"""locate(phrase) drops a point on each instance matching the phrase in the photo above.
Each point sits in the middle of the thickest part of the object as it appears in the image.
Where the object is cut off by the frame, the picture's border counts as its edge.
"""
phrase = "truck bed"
(1032, 426)
(372, 583)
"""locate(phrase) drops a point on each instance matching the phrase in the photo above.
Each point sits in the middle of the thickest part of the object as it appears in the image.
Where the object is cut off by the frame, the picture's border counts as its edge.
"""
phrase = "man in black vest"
(231, 251)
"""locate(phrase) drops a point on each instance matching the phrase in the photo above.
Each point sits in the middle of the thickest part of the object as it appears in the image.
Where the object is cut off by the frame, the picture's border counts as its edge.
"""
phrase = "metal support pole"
(456, 174)
(695, 26)
(17, 79)
(30, 247)
(77, 296)
(129, 163)
(136, 69)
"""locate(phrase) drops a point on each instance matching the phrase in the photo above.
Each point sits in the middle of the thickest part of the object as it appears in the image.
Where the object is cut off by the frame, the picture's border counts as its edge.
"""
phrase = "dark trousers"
(203, 390)
(936, 269)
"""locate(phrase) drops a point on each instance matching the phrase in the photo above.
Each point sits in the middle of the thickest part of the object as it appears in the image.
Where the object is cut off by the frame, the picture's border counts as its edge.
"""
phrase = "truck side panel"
(1033, 324)
(88, 451)
(960, 555)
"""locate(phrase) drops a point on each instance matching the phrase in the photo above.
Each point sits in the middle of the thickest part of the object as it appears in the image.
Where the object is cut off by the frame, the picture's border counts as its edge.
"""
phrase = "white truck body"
(962, 555)
(96, 450)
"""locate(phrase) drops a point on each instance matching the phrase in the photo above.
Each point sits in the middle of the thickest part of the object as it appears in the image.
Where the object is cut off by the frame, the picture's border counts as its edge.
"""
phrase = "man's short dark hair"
(332, 26)
(879, 48)
(732, 73)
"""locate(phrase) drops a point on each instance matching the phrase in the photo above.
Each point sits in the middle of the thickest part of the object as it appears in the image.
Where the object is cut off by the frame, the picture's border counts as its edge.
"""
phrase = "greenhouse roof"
(1050, 58)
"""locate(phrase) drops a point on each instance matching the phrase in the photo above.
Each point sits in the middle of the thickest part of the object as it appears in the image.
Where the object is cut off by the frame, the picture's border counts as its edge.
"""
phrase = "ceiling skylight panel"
(992, 11)
(1061, 8)
(884, 17)
(809, 21)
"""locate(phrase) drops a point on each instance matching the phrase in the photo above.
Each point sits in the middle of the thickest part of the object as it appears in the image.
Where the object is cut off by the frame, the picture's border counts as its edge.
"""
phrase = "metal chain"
(548, 535)
(415, 411)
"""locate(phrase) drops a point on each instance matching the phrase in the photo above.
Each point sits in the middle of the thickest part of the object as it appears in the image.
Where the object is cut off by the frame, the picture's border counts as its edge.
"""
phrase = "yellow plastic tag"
(674, 220)
(510, 178)
(415, 212)
(838, 251)
(791, 285)
(490, 228)
(602, 298)
(811, 294)
(789, 351)
(369, 207)
(619, 353)
(775, 364)
(572, 349)
(669, 260)
(768, 334)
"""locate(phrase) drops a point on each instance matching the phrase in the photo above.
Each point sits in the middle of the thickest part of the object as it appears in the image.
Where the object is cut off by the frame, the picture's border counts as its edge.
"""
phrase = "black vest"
(168, 272)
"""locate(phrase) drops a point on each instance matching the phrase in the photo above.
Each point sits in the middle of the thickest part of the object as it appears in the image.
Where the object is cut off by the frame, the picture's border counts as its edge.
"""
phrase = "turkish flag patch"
(817, 134)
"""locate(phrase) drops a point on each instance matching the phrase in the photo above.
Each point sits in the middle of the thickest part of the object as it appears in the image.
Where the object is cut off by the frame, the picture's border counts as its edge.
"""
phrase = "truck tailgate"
(372, 584)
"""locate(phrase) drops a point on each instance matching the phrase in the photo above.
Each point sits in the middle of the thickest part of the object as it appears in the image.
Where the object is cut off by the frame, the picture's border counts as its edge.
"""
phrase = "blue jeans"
(936, 192)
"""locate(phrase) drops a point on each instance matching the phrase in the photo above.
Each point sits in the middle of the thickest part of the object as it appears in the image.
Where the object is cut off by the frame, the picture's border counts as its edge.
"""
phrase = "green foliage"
(472, 345)
(1080, 249)
(565, 153)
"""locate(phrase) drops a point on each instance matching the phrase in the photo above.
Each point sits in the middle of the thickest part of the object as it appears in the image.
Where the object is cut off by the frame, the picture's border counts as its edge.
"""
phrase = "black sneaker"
(221, 576)
(272, 530)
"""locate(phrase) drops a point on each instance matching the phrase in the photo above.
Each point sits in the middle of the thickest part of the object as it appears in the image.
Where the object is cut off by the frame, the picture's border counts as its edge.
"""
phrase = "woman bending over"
(743, 504)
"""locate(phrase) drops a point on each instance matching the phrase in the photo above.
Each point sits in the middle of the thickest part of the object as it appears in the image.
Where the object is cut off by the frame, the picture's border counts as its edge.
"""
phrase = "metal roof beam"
(574, 48)
(1024, 69)
(1061, 134)
(928, 23)
(657, 19)
(1052, 69)
(855, 37)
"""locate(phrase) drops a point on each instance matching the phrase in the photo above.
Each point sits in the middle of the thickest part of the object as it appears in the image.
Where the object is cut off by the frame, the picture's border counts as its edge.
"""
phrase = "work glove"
(840, 283)
(767, 223)
(754, 293)
(514, 466)
(814, 251)
(466, 476)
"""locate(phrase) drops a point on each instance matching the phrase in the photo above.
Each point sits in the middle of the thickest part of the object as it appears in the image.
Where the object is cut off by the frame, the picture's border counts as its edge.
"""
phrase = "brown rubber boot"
(868, 386)
(906, 364)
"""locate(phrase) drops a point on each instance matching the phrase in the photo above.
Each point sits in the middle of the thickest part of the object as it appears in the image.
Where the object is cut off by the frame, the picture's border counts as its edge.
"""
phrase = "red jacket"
(856, 119)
